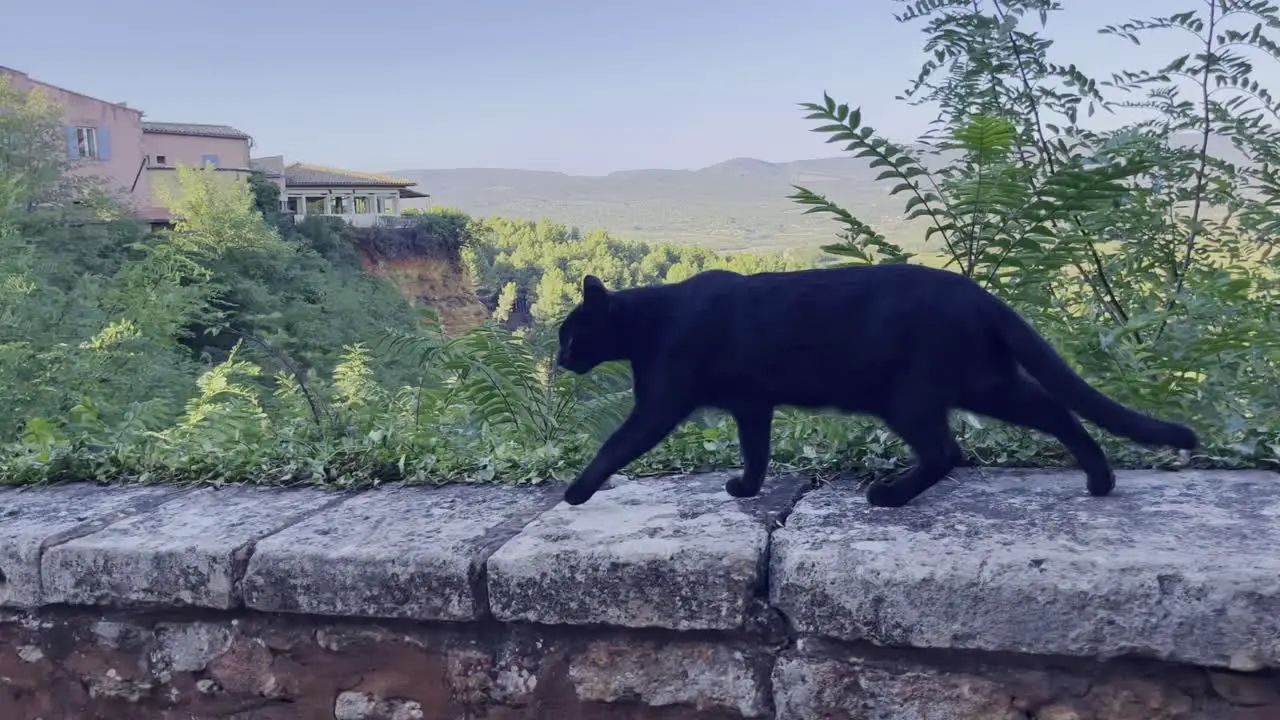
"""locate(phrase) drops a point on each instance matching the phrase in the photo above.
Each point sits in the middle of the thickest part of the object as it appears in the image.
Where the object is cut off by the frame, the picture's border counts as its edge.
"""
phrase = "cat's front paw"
(577, 494)
(1101, 484)
(739, 488)
(883, 493)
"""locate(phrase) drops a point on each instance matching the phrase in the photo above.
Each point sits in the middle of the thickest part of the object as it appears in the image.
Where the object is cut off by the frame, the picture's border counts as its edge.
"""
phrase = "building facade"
(138, 160)
(361, 199)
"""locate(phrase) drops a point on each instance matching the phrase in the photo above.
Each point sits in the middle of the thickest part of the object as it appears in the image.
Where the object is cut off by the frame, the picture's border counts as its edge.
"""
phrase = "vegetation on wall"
(238, 347)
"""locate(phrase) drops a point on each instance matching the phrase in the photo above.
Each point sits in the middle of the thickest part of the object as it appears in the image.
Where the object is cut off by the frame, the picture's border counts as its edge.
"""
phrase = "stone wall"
(997, 596)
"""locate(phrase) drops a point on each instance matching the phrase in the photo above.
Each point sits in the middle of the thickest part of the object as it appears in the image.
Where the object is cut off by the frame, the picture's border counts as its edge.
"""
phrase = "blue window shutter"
(73, 147)
(104, 143)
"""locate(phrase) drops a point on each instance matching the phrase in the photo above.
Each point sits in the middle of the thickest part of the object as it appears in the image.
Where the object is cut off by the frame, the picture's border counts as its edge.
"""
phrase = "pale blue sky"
(582, 86)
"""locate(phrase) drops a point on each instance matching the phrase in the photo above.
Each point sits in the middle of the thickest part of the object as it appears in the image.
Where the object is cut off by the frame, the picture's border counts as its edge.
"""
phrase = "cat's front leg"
(643, 429)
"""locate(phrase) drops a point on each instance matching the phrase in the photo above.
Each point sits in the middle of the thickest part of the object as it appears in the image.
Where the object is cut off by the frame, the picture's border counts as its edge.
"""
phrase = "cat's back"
(824, 309)
(721, 308)
(818, 292)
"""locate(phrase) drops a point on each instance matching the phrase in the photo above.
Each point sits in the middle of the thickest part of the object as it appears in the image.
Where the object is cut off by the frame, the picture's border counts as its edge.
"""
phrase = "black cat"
(904, 343)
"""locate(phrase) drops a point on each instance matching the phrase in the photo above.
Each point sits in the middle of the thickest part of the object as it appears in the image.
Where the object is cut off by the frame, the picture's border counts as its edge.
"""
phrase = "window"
(87, 142)
(340, 205)
(209, 161)
(315, 205)
(386, 205)
(161, 160)
(291, 204)
(362, 204)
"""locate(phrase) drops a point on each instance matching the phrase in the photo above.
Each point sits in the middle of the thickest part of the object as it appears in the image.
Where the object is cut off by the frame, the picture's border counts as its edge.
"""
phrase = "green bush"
(1143, 252)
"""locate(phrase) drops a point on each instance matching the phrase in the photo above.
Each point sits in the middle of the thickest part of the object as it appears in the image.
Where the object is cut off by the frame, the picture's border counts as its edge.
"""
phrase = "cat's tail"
(1043, 363)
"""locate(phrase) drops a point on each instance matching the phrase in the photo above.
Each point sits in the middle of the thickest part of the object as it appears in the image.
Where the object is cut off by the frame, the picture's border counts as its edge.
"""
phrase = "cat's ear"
(594, 292)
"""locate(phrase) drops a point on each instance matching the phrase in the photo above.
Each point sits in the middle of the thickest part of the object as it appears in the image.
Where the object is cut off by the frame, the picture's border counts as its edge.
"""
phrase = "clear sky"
(581, 86)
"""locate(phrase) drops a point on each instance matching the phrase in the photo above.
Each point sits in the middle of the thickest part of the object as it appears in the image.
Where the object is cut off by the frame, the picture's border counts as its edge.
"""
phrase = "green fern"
(224, 416)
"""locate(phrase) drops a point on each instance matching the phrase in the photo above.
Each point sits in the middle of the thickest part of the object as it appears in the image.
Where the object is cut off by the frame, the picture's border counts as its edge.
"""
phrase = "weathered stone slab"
(1179, 566)
(674, 552)
(188, 551)
(32, 519)
(396, 552)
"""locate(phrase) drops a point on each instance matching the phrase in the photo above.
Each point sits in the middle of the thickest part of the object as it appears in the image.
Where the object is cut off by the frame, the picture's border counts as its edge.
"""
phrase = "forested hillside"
(237, 346)
(740, 204)
(736, 205)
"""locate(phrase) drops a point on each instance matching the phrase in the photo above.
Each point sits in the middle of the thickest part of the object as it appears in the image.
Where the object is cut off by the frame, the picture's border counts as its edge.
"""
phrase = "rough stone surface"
(675, 553)
(1246, 690)
(817, 681)
(32, 519)
(1177, 566)
(190, 550)
(366, 706)
(283, 667)
(703, 675)
(91, 664)
(398, 552)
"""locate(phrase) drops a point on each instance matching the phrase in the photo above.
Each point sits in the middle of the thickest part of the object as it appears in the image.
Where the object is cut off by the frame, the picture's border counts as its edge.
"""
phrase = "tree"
(1162, 246)
(266, 196)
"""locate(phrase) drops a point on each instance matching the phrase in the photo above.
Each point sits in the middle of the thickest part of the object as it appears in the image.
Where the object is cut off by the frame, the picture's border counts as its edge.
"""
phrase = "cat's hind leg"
(923, 426)
(1021, 401)
(754, 425)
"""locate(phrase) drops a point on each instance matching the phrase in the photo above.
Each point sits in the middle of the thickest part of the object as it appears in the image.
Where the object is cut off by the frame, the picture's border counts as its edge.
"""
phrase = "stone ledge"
(32, 519)
(402, 552)
(1176, 566)
(676, 553)
(190, 550)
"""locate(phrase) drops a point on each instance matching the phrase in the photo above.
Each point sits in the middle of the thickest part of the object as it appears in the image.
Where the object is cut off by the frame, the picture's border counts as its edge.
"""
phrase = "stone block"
(396, 552)
(707, 677)
(675, 552)
(1176, 566)
(189, 551)
(35, 518)
(819, 680)
(806, 688)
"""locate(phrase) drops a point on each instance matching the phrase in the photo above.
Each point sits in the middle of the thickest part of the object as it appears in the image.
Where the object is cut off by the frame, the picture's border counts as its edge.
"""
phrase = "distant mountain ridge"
(733, 205)
(737, 204)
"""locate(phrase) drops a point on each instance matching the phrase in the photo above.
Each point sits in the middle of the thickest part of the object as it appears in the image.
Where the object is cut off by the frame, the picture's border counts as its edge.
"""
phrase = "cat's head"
(590, 334)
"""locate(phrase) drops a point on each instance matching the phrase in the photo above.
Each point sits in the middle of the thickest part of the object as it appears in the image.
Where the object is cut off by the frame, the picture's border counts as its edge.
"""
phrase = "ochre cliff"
(431, 279)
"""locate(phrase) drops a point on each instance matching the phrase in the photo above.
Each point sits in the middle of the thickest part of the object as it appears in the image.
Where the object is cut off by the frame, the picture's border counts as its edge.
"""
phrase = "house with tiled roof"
(139, 160)
(135, 157)
(220, 148)
(360, 198)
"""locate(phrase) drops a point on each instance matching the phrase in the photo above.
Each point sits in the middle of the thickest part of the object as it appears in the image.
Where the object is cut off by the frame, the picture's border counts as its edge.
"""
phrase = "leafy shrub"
(1144, 253)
